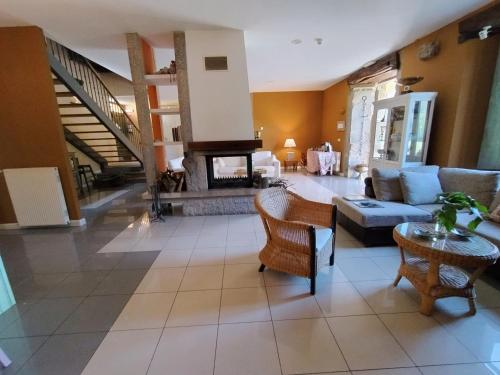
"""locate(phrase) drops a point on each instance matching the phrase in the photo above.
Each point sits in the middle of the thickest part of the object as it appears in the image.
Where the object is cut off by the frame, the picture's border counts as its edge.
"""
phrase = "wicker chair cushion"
(322, 237)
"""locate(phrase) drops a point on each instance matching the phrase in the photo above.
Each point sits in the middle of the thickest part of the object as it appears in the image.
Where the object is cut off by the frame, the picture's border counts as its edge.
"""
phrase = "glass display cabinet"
(400, 130)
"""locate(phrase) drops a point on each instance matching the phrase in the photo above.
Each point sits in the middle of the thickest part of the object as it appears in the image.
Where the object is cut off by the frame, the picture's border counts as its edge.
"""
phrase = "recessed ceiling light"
(296, 41)
(319, 41)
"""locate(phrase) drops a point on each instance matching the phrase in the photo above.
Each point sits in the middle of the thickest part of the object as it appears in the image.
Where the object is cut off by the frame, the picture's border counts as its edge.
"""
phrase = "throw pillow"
(496, 202)
(419, 188)
(386, 181)
(495, 215)
(480, 185)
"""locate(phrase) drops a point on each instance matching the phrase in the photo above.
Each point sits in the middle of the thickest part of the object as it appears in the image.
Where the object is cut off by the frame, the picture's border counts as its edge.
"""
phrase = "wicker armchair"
(299, 233)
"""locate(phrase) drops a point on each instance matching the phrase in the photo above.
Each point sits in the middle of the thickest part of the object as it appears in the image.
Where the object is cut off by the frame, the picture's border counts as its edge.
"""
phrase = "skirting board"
(73, 223)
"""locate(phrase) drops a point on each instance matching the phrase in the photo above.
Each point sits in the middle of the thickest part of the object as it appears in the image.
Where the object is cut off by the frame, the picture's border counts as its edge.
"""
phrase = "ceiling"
(353, 31)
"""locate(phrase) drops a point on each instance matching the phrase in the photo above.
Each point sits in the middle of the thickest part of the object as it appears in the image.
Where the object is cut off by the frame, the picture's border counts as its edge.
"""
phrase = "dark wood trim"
(246, 145)
(382, 65)
(334, 232)
(469, 28)
(312, 276)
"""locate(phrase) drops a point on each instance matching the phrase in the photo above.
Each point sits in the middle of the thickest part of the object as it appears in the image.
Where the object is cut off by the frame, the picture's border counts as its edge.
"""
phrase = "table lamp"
(290, 143)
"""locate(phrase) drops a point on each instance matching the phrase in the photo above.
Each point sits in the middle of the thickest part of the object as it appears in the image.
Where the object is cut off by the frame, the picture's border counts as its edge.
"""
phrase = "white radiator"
(37, 196)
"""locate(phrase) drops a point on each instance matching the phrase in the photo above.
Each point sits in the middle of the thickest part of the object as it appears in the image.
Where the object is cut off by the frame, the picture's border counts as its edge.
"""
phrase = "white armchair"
(266, 161)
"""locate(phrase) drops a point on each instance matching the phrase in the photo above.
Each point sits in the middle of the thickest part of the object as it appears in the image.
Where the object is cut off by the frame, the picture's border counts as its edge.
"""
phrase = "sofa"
(373, 226)
(263, 161)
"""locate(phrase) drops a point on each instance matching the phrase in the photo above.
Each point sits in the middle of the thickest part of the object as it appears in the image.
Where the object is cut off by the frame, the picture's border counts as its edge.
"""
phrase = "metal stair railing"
(87, 80)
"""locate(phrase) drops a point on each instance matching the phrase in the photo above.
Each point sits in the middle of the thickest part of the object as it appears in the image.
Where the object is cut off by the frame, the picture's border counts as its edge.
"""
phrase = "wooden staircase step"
(65, 94)
(71, 105)
(90, 132)
(78, 115)
(83, 124)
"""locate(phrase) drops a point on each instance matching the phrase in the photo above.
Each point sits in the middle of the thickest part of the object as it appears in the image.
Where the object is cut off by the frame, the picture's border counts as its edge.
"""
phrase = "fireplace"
(232, 170)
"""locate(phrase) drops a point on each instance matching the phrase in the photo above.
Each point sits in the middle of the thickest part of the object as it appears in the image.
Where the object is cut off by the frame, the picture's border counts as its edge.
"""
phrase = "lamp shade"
(290, 142)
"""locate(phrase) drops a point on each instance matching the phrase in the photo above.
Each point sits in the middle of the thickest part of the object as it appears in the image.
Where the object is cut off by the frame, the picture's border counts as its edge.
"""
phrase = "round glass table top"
(473, 246)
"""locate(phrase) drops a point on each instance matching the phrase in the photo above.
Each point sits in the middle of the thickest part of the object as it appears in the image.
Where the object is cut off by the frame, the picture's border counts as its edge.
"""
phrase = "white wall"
(82, 158)
(220, 100)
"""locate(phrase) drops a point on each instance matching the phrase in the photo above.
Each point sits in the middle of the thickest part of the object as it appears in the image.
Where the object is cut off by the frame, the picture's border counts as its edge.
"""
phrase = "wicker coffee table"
(435, 267)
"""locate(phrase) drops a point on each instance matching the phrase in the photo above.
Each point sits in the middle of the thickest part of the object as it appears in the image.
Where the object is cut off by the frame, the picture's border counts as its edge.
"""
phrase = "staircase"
(93, 120)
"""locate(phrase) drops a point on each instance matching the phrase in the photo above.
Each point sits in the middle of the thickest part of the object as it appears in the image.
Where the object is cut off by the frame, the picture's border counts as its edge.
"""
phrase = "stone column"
(183, 88)
(195, 175)
(136, 59)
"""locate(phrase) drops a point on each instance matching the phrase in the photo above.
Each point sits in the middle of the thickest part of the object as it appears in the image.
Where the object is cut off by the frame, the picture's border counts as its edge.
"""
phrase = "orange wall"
(295, 114)
(150, 67)
(334, 109)
(462, 76)
(31, 133)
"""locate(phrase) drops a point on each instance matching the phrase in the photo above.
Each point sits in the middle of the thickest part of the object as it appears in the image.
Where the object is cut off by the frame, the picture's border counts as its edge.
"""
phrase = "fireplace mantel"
(240, 145)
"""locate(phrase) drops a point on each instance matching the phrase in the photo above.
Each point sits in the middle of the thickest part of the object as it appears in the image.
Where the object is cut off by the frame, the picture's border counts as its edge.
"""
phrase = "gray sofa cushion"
(419, 188)
(430, 208)
(480, 185)
(496, 202)
(391, 213)
(386, 181)
(488, 229)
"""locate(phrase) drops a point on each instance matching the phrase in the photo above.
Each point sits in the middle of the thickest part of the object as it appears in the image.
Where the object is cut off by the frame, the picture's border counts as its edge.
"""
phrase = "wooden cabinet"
(400, 130)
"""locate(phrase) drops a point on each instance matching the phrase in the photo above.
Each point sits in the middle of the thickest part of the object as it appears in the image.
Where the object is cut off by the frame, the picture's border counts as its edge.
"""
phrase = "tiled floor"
(184, 297)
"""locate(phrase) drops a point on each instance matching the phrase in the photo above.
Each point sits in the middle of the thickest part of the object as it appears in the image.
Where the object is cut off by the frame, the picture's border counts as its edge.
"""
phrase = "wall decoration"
(340, 126)
(427, 51)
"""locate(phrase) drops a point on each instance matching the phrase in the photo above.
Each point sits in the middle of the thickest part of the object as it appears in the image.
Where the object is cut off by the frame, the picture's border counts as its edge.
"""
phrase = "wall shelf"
(164, 111)
(161, 79)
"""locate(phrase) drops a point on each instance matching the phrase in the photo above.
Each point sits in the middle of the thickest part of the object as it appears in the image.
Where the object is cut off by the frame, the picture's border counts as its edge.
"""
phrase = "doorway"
(359, 119)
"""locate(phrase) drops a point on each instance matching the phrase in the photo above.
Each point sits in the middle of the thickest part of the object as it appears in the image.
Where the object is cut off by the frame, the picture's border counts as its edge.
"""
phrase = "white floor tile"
(254, 355)
(202, 278)
(164, 230)
(244, 305)
(181, 243)
(390, 265)
(207, 240)
(399, 371)
(187, 230)
(185, 351)
(425, 340)
(292, 302)
(341, 299)
(208, 257)
(124, 353)
(479, 333)
(360, 269)
(161, 280)
(382, 251)
(329, 275)
(367, 344)
(150, 244)
(195, 308)
(242, 276)
(172, 258)
(383, 297)
(145, 311)
(118, 245)
(307, 346)
(237, 254)
(276, 278)
(241, 238)
(467, 369)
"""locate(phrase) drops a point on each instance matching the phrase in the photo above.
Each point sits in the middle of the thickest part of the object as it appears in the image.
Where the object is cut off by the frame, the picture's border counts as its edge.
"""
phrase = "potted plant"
(446, 216)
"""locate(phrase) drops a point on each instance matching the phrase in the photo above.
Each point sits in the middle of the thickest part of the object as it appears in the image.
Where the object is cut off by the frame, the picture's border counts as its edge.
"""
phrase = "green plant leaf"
(474, 223)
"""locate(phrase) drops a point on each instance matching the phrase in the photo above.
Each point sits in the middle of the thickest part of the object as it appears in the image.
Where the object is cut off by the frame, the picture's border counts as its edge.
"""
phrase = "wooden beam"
(470, 27)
